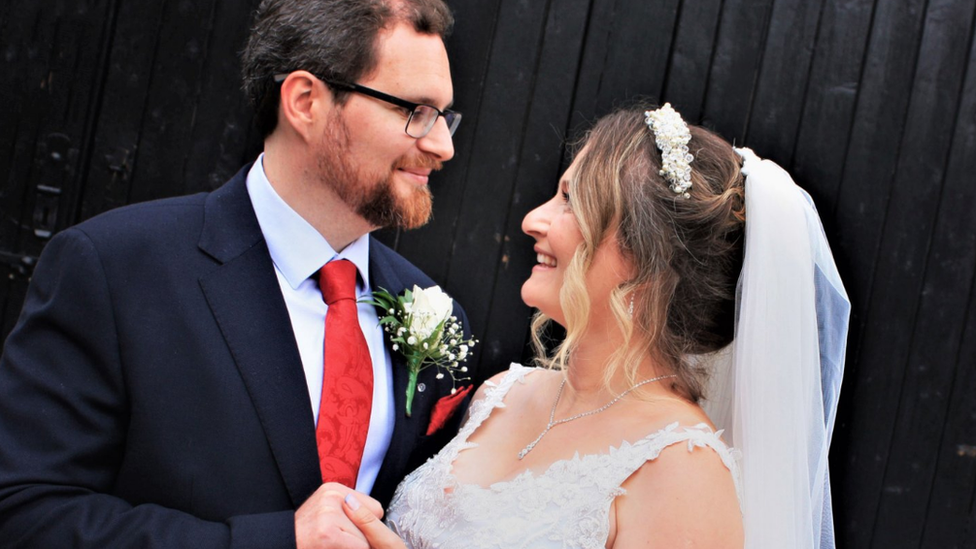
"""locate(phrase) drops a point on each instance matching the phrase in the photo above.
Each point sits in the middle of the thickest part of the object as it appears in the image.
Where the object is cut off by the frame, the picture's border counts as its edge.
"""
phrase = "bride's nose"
(536, 222)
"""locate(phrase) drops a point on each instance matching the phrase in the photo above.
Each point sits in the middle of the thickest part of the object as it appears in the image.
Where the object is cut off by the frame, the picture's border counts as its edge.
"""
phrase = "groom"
(165, 385)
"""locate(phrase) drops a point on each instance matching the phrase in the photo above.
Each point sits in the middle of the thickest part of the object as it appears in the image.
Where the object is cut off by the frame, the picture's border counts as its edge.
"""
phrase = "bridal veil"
(775, 388)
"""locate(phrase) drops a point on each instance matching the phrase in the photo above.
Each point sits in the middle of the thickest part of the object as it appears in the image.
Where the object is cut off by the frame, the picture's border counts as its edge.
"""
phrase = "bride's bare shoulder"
(667, 497)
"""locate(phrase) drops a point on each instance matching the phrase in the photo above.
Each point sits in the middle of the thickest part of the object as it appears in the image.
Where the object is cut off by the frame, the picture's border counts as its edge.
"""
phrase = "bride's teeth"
(545, 260)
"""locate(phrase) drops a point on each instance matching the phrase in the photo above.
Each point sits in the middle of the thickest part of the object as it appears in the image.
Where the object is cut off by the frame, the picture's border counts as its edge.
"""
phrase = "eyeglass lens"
(424, 117)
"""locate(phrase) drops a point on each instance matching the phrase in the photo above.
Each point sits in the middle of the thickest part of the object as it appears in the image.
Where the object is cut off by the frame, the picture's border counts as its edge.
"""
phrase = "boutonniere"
(421, 327)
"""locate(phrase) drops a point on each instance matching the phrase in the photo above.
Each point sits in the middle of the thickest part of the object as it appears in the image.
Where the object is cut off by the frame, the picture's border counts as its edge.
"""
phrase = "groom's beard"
(383, 207)
(374, 196)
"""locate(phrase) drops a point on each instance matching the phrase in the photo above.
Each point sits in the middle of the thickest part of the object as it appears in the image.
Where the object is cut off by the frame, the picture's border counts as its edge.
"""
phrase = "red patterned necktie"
(347, 380)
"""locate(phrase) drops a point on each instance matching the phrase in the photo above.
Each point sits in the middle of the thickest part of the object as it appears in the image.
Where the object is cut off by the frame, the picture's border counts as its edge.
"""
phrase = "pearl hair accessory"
(672, 136)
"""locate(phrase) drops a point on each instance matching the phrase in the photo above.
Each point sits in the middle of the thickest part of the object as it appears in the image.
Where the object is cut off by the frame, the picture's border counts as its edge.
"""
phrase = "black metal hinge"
(19, 265)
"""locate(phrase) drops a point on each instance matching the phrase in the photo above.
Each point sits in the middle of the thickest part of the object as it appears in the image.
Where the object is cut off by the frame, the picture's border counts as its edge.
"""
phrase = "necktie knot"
(337, 281)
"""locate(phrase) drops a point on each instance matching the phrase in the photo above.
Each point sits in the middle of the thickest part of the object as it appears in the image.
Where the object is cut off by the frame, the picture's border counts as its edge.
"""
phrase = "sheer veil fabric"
(774, 389)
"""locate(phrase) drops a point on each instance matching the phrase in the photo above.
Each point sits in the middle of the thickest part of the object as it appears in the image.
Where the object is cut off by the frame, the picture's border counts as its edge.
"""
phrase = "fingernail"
(352, 502)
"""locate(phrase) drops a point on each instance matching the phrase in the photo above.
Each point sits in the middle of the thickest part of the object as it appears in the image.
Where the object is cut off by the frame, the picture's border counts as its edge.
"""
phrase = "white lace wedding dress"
(567, 506)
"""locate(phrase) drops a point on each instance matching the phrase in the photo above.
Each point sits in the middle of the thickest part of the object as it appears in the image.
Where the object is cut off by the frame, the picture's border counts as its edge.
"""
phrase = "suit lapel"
(245, 298)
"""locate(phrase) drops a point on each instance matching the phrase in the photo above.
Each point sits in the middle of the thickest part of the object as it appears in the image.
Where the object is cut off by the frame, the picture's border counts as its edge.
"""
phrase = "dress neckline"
(494, 398)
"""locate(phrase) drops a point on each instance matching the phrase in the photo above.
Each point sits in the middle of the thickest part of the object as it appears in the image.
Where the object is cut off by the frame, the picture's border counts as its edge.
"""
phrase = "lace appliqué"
(566, 506)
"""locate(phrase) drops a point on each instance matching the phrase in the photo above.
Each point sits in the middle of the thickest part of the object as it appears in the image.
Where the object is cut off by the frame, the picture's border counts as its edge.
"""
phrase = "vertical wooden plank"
(625, 56)
(781, 87)
(509, 81)
(887, 391)
(735, 66)
(469, 49)
(922, 410)
(864, 188)
(828, 108)
(123, 100)
(171, 99)
(691, 56)
(818, 161)
(222, 116)
(53, 58)
(950, 517)
(536, 179)
(25, 62)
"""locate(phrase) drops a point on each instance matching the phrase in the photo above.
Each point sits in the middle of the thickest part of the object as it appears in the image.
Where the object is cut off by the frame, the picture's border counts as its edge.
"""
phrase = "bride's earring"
(630, 309)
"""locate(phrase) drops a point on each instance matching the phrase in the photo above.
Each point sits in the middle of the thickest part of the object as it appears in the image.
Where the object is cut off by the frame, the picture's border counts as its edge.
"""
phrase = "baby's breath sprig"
(421, 327)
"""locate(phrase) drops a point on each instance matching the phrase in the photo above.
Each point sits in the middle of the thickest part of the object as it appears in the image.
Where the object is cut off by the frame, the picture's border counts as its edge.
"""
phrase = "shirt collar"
(296, 248)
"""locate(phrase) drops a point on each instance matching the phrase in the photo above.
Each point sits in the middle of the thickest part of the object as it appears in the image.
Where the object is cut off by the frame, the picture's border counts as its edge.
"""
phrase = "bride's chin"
(527, 294)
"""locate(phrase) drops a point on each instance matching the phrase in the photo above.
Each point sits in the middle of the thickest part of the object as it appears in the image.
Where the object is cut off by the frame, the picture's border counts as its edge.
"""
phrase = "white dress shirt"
(298, 252)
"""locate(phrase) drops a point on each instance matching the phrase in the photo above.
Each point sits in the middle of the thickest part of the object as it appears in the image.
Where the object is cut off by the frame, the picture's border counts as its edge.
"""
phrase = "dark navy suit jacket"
(152, 394)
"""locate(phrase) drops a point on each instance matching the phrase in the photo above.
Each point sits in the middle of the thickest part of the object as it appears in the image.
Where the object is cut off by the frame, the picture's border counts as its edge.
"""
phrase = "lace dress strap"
(697, 436)
(494, 398)
(480, 410)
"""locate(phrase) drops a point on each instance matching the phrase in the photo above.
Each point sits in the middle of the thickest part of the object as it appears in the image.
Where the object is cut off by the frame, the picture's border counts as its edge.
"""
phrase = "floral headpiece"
(672, 136)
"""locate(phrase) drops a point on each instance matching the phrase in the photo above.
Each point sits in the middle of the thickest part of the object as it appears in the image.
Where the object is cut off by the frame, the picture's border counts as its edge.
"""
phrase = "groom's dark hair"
(332, 39)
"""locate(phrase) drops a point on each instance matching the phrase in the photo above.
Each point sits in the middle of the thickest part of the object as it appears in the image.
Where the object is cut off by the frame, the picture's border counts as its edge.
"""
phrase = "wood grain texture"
(53, 53)
(783, 79)
(691, 56)
(539, 167)
(470, 50)
(625, 56)
(886, 350)
(735, 67)
(950, 515)
(906, 270)
(870, 104)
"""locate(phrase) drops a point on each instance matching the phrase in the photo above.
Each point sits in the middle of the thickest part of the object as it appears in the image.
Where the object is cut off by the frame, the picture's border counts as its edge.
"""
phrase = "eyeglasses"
(421, 119)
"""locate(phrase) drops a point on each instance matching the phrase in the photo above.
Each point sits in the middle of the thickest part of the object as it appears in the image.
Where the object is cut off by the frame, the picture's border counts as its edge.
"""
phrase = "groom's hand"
(377, 534)
(321, 523)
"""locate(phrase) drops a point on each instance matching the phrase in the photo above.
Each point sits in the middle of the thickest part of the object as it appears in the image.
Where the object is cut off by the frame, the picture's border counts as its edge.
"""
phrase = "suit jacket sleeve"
(63, 425)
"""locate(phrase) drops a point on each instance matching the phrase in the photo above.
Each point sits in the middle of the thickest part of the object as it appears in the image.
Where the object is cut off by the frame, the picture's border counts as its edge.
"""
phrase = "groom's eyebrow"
(427, 100)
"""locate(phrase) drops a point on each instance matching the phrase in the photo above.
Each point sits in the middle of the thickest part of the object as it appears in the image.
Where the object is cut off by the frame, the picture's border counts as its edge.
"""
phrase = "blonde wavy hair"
(686, 253)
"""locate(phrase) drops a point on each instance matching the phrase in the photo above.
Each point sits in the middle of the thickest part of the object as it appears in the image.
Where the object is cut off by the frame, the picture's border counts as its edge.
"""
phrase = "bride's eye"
(565, 197)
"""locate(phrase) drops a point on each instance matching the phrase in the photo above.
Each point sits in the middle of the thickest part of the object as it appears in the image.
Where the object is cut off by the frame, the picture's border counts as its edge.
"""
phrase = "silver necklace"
(552, 414)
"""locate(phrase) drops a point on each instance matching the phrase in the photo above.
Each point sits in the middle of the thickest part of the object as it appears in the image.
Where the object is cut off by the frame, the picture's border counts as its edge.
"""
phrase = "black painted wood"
(735, 68)
(470, 51)
(626, 56)
(821, 146)
(777, 101)
(950, 299)
(691, 57)
(871, 104)
(540, 161)
(53, 53)
(881, 250)
(905, 266)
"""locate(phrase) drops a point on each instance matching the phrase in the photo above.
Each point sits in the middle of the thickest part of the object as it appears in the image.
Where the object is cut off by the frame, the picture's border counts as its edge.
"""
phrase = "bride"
(625, 437)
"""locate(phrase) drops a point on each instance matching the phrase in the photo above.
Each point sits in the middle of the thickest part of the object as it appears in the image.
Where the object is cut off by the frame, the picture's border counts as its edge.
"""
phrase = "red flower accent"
(445, 408)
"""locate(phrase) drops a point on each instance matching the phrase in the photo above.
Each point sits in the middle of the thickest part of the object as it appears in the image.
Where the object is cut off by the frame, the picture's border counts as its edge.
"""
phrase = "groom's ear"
(304, 104)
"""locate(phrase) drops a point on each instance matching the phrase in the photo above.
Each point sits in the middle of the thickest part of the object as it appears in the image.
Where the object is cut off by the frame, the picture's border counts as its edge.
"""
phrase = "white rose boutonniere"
(420, 326)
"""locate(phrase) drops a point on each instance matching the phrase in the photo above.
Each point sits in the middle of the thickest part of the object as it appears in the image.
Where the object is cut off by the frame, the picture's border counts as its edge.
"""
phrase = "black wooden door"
(871, 104)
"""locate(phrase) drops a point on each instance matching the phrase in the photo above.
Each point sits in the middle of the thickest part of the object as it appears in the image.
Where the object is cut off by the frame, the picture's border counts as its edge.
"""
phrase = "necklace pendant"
(552, 413)
(525, 451)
